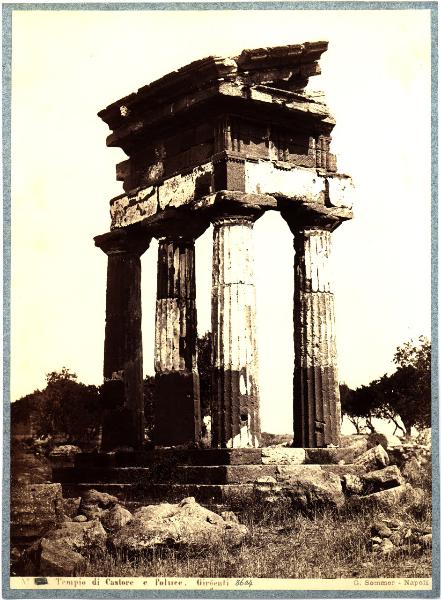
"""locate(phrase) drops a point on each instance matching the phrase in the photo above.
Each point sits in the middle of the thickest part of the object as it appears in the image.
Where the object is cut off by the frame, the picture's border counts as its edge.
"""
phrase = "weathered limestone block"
(49, 558)
(35, 509)
(267, 178)
(57, 559)
(123, 372)
(82, 518)
(311, 486)
(379, 528)
(177, 406)
(381, 479)
(236, 420)
(93, 503)
(375, 458)
(267, 489)
(386, 498)
(79, 537)
(65, 450)
(342, 470)
(283, 456)
(353, 484)
(64, 456)
(184, 525)
(116, 517)
(71, 507)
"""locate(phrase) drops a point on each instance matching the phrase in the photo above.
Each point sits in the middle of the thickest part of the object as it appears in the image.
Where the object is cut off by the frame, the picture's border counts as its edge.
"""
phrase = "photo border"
(7, 11)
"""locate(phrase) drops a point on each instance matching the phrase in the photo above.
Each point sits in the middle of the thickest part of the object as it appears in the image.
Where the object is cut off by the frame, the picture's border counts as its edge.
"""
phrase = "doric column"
(177, 406)
(316, 387)
(123, 423)
(236, 421)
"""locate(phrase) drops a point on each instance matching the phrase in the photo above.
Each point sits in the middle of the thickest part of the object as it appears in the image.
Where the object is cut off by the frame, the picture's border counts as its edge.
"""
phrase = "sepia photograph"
(220, 267)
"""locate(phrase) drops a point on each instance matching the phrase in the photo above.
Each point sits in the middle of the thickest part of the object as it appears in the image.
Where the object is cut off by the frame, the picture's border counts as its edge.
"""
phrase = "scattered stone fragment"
(71, 506)
(65, 450)
(396, 538)
(116, 517)
(386, 498)
(183, 525)
(352, 484)
(80, 519)
(101, 498)
(393, 441)
(375, 458)
(376, 481)
(381, 530)
(354, 441)
(386, 546)
(426, 540)
(393, 523)
(56, 559)
(376, 540)
(93, 503)
(80, 537)
(312, 487)
(412, 470)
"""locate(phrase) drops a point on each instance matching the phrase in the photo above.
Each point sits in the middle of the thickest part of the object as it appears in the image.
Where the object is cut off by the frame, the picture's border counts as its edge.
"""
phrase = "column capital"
(235, 219)
(123, 241)
(239, 208)
(314, 216)
(176, 224)
(185, 230)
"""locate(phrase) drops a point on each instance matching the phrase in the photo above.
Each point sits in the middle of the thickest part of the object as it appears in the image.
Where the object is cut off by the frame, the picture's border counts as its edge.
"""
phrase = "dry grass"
(283, 544)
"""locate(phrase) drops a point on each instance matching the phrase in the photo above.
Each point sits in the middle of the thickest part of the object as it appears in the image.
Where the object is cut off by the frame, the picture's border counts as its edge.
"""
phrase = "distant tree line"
(403, 398)
(66, 407)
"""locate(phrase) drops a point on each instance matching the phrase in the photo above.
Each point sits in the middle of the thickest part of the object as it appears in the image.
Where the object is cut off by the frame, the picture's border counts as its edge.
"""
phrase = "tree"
(360, 405)
(403, 398)
(407, 392)
(65, 408)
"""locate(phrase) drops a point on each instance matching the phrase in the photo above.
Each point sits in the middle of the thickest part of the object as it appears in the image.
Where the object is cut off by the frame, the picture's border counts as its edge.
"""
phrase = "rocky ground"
(369, 522)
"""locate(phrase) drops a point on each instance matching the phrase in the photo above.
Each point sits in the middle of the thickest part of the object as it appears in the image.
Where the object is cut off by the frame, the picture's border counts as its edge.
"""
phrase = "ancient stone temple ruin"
(221, 141)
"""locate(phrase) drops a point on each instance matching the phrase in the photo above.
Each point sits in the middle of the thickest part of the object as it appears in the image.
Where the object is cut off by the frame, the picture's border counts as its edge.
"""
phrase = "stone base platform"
(220, 476)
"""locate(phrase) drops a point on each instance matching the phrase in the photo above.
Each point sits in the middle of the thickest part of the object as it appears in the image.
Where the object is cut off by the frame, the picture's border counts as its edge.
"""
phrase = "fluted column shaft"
(123, 397)
(316, 389)
(177, 410)
(236, 421)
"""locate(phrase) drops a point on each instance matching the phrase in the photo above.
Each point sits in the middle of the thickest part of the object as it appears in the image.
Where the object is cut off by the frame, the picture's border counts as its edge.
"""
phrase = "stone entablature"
(223, 110)
(264, 181)
(220, 142)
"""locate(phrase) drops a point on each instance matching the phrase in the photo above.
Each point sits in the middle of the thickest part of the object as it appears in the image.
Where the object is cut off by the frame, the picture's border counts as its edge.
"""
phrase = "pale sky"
(67, 65)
